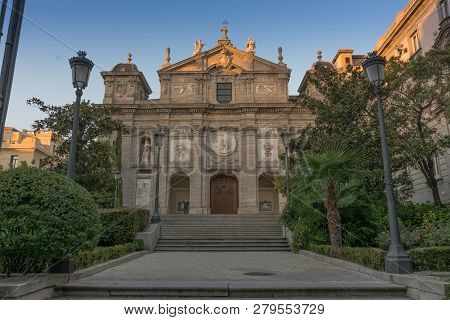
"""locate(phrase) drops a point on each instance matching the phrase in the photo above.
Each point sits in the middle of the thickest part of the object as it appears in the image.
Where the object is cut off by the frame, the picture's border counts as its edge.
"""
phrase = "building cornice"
(208, 109)
(401, 20)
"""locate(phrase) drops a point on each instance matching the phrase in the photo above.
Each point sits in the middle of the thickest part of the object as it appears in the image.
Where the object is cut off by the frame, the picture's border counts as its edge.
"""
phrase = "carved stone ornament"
(268, 131)
(268, 151)
(184, 89)
(181, 151)
(223, 143)
(265, 89)
(180, 132)
(121, 87)
(225, 59)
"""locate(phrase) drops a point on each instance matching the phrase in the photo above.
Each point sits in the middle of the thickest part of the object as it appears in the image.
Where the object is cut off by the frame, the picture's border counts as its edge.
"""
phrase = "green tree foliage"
(97, 158)
(417, 96)
(43, 216)
(345, 114)
(327, 182)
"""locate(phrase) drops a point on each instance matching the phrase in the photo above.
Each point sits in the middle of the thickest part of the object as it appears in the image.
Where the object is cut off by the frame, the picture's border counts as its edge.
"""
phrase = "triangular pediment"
(227, 58)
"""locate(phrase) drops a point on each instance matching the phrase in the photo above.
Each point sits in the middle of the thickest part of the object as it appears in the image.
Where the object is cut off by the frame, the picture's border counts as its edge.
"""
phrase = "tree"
(345, 114)
(333, 179)
(417, 96)
(97, 158)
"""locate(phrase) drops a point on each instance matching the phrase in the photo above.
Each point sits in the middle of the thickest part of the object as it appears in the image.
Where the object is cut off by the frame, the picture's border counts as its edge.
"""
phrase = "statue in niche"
(146, 152)
(198, 46)
(251, 45)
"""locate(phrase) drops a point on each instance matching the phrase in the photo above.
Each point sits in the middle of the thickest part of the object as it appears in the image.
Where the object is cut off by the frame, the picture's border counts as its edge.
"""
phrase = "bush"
(421, 225)
(423, 259)
(120, 226)
(84, 259)
(369, 257)
(431, 258)
(43, 216)
(416, 214)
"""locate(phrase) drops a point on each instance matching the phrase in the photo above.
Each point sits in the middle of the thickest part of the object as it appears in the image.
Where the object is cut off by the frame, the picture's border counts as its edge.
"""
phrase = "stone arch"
(179, 190)
(267, 194)
(224, 194)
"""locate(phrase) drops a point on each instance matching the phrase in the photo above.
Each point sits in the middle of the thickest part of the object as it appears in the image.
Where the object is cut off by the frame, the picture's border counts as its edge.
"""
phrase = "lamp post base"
(397, 260)
(156, 218)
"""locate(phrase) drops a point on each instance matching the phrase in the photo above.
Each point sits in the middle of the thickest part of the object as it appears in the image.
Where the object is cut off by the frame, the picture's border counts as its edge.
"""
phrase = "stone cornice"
(408, 13)
(209, 109)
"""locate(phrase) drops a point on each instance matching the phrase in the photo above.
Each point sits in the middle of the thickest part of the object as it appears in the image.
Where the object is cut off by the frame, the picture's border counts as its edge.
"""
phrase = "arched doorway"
(179, 191)
(224, 194)
(268, 195)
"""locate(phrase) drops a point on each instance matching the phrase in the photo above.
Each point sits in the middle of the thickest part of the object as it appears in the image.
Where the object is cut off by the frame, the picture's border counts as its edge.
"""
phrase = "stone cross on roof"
(224, 30)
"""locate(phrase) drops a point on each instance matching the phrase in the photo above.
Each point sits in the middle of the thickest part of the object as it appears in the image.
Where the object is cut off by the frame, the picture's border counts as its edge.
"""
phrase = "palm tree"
(333, 179)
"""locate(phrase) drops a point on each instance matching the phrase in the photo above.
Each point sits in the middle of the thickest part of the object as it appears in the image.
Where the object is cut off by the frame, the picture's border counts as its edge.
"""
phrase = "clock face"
(223, 143)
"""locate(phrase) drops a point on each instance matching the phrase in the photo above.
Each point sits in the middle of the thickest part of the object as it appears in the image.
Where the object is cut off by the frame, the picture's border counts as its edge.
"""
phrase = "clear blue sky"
(109, 29)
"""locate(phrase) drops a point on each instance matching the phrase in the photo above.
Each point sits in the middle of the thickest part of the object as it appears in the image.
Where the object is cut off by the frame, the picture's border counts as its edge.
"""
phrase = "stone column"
(248, 179)
(127, 177)
(164, 187)
(196, 185)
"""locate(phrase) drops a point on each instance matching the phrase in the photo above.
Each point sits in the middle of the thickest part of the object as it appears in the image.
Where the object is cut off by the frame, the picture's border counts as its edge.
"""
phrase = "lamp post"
(397, 260)
(285, 138)
(81, 69)
(117, 181)
(156, 217)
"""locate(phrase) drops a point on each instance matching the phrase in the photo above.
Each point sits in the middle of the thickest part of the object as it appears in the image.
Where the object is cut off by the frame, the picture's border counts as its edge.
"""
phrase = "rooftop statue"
(250, 45)
(198, 46)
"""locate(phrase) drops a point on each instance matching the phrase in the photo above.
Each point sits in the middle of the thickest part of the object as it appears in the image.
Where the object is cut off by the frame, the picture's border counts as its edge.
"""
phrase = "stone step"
(232, 290)
(219, 237)
(201, 240)
(196, 231)
(220, 248)
(221, 233)
(223, 244)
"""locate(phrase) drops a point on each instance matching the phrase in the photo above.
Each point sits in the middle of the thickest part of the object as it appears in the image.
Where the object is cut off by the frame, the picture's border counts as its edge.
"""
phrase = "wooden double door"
(224, 195)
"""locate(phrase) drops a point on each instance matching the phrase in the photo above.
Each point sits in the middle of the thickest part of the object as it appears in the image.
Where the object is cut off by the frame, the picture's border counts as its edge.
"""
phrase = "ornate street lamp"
(81, 69)
(397, 260)
(117, 181)
(156, 217)
(285, 138)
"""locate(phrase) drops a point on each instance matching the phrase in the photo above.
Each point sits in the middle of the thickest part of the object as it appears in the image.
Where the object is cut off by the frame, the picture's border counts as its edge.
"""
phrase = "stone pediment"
(226, 59)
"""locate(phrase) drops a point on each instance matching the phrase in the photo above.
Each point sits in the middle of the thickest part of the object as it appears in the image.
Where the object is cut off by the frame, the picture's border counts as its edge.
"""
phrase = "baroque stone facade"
(221, 112)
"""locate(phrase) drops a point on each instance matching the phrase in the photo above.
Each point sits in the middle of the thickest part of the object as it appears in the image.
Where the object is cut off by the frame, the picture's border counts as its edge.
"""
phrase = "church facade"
(221, 112)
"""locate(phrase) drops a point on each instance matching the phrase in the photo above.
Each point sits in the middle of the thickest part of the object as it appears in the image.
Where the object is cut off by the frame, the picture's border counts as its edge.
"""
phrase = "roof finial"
(319, 55)
(167, 59)
(280, 56)
(224, 30)
(129, 57)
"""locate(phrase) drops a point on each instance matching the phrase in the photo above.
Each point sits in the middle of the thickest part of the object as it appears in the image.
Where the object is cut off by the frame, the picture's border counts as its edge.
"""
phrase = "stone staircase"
(238, 232)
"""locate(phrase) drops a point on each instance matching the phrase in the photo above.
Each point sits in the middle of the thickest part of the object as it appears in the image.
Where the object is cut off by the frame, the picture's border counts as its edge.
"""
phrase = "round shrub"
(43, 216)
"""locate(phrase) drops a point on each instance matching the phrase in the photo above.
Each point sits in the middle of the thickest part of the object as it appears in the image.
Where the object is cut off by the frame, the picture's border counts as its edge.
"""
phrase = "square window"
(224, 92)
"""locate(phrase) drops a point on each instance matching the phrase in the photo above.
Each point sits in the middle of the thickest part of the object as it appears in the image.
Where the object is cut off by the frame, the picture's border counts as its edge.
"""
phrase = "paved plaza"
(182, 267)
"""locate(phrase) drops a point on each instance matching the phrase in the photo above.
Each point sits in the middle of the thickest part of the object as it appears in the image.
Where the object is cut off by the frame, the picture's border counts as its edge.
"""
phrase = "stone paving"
(184, 267)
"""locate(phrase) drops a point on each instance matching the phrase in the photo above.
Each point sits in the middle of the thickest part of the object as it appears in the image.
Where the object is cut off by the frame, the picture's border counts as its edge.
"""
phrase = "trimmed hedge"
(369, 257)
(120, 226)
(431, 258)
(43, 216)
(423, 259)
(84, 259)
